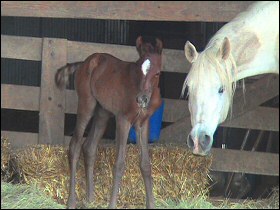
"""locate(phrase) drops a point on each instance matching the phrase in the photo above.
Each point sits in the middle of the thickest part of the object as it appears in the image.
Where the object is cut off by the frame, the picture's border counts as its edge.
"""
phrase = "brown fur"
(106, 85)
(248, 50)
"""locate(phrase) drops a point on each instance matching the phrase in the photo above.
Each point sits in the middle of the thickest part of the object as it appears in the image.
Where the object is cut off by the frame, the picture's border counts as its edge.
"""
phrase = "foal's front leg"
(122, 129)
(145, 162)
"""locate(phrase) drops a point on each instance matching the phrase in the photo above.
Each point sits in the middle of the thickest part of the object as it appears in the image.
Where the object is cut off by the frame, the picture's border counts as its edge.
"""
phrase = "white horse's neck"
(254, 39)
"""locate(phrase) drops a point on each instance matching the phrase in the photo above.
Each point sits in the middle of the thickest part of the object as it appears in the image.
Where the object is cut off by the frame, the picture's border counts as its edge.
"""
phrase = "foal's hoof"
(90, 199)
(71, 204)
(88, 203)
(150, 206)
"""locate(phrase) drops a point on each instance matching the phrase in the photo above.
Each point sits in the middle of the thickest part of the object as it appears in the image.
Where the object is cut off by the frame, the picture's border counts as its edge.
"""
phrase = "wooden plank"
(172, 60)
(262, 118)
(126, 53)
(173, 110)
(52, 100)
(27, 98)
(207, 11)
(175, 61)
(256, 94)
(17, 47)
(262, 163)
(20, 139)
(20, 97)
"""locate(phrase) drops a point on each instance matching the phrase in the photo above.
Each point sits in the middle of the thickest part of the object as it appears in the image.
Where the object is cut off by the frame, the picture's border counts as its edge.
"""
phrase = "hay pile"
(273, 200)
(5, 155)
(8, 167)
(177, 174)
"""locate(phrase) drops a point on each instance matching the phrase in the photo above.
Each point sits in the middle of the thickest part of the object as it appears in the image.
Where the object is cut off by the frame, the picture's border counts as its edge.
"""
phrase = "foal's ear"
(139, 42)
(224, 51)
(190, 52)
(159, 46)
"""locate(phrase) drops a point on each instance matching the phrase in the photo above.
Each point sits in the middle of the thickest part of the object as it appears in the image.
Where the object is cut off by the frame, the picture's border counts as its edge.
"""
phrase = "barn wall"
(122, 32)
(29, 72)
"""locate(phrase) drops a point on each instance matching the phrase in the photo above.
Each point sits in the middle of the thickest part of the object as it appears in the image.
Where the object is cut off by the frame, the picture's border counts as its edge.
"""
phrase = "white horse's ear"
(146, 67)
(225, 49)
(190, 52)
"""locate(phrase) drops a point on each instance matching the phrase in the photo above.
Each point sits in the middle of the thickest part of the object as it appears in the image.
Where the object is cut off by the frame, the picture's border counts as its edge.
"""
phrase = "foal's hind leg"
(100, 120)
(122, 129)
(145, 162)
(86, 107)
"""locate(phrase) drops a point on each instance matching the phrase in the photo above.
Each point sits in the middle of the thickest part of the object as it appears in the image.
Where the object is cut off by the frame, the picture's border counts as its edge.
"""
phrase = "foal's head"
(150, 60)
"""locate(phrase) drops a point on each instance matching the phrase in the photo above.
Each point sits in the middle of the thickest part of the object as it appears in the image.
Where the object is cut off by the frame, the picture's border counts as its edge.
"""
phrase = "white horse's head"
(210, 91)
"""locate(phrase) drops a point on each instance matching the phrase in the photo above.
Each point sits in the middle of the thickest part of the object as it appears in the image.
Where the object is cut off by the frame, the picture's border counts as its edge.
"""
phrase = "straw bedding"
(177, 174)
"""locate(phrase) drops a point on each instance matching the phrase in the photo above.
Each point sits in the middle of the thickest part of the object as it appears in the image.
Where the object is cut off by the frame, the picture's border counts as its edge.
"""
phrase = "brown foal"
(129, 90)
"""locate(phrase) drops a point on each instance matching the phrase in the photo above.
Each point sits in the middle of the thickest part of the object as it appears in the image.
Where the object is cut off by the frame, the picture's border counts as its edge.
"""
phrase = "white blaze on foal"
(146, 66)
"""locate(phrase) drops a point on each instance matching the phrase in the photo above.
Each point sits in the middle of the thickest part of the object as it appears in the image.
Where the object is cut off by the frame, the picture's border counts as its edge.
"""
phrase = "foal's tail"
(62, 74)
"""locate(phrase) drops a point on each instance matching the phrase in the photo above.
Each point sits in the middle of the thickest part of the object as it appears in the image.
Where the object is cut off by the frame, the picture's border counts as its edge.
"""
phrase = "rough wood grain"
(52, 100)
(207, 11)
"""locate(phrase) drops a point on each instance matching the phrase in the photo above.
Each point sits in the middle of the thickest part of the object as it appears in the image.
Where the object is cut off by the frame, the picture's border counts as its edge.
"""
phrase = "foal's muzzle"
(143, 101)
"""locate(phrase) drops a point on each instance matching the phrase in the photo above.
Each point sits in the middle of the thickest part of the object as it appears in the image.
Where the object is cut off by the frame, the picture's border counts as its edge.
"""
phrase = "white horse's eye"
(221, 90)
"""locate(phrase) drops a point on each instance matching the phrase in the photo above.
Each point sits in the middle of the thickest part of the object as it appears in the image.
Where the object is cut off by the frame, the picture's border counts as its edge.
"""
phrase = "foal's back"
(115, 83)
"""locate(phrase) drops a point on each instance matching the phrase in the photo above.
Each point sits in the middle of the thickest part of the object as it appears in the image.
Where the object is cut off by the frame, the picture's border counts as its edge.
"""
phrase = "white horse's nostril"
(207, 140)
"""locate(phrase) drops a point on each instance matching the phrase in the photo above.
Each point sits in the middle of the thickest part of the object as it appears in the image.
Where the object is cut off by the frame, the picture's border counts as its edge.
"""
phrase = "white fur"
(206, 106)
(261, 19)
(146, 66)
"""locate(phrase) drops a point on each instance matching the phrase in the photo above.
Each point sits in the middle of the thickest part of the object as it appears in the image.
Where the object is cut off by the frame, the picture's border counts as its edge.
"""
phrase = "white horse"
(246, 46)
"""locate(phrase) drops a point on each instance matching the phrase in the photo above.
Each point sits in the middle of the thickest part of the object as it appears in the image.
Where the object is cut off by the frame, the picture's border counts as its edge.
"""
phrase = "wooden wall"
(52, 104)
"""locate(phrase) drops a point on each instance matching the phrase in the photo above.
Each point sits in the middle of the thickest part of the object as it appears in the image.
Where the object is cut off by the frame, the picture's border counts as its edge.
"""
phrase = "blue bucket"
(155, 126)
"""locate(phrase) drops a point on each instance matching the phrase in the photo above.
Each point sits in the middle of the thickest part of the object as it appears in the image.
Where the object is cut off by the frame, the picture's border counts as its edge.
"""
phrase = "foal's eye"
(221, 90)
